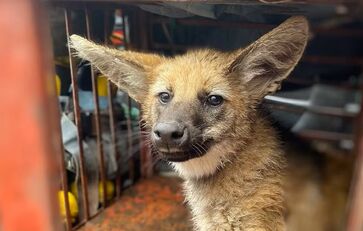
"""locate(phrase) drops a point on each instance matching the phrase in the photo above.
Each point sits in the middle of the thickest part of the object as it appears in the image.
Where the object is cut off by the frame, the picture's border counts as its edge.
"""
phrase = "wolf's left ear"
(130, 71)
(266, 62)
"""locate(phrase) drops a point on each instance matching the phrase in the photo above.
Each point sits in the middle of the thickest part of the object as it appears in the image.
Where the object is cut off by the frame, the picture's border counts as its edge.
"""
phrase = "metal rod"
(303, 81)
(126, 43)
(145, 164)
(131, 163)
(145, 34)
(355, 212)
(77, 113)
(112, 121)
(305, 105)
(79, 225)
(62, 165)
(82, 223)
(129, 142)
(97, 118)
(324, 135)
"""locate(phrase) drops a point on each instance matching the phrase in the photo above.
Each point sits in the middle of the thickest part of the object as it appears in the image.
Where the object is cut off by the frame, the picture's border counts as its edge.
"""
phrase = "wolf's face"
(191, 105)
(200, 105)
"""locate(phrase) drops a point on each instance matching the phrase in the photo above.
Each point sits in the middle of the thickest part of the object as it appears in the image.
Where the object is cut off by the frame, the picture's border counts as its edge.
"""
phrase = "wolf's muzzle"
(170, 135)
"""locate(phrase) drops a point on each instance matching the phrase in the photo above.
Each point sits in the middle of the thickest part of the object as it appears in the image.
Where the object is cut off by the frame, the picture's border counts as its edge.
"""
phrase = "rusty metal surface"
(78, 122)
(154, 204)
(28, 142)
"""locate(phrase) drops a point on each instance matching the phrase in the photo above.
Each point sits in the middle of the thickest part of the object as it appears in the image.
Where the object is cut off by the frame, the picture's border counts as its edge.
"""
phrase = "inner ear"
(129, 70)
(265, 63)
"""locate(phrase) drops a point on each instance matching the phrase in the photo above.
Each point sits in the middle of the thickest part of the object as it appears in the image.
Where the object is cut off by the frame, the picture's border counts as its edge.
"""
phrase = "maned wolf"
(201, 111)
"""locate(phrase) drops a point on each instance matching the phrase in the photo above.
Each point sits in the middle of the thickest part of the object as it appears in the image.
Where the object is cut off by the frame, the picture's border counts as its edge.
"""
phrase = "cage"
(74, 155)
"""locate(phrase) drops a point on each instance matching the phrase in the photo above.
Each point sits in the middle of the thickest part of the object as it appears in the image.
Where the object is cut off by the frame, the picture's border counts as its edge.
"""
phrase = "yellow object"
(73, 206)
(102, 85)
(58, 84)
(110, 190)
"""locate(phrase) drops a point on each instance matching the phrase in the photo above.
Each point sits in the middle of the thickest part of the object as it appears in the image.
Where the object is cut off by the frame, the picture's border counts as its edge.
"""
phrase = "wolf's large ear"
(129, 70)
(266, 62)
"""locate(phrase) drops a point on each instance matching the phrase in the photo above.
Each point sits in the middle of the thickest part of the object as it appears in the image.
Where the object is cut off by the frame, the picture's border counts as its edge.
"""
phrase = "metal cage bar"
(77, 112)
(131, 162)
(97, 117)
(112, 121)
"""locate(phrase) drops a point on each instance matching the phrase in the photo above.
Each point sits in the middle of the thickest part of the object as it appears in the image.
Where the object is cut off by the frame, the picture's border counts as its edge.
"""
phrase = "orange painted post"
(29, 139)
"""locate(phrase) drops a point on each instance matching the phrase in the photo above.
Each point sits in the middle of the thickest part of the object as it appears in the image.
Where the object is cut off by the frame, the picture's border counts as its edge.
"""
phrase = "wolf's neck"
(244, 190)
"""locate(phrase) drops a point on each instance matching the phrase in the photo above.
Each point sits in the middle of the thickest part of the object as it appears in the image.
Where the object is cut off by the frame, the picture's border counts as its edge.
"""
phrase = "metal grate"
(131, 133)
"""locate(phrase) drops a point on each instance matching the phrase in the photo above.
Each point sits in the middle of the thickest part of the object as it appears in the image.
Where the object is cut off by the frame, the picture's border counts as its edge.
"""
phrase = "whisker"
(199, 152)
(202, 146)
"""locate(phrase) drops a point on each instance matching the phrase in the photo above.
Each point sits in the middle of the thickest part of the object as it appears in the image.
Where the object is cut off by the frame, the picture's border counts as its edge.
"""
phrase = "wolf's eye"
(164, 97)
(215, 100)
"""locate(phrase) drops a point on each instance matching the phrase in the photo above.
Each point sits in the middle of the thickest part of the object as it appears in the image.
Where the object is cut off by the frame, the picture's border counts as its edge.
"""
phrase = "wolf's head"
(196, 103)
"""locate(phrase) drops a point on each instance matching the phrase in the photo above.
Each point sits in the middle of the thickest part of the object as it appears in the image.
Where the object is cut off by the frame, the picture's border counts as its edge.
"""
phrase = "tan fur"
(237, 184)
(246, 194)
(316, 189)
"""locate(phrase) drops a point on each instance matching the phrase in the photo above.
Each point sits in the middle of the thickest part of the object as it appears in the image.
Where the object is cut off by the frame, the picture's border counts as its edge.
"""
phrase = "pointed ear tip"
(300, 22)
(76, 39)
(78, 42)
(74, 36)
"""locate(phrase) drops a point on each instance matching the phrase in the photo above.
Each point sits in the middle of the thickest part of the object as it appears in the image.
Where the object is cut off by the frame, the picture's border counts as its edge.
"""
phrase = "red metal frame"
(29, 139)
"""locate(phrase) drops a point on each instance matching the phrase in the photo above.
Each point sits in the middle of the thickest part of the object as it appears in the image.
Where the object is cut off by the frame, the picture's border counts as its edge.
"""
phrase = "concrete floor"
(155, 204)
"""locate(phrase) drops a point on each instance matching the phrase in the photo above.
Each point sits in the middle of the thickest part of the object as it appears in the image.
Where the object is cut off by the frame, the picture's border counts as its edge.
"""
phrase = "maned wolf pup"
(201, 111)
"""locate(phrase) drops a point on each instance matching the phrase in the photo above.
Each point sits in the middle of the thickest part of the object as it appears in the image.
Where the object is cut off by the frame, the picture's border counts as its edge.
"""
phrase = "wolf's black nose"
(171, 133)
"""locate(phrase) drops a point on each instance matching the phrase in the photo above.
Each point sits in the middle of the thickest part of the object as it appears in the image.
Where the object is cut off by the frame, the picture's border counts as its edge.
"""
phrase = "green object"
(135, 112)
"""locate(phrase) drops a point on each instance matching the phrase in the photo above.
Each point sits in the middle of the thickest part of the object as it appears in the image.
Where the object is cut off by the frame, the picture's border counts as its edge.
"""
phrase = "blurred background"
(73, 151)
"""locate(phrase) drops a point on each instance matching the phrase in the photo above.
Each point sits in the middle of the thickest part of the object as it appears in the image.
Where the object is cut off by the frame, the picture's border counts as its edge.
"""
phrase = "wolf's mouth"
(193, 151)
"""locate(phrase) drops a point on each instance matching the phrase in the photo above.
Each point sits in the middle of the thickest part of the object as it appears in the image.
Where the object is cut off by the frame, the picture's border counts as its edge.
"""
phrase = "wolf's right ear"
(265, 63)
(129, 70)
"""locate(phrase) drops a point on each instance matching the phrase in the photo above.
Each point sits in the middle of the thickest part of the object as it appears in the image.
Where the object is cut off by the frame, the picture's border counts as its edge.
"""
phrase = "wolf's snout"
(170, 134)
